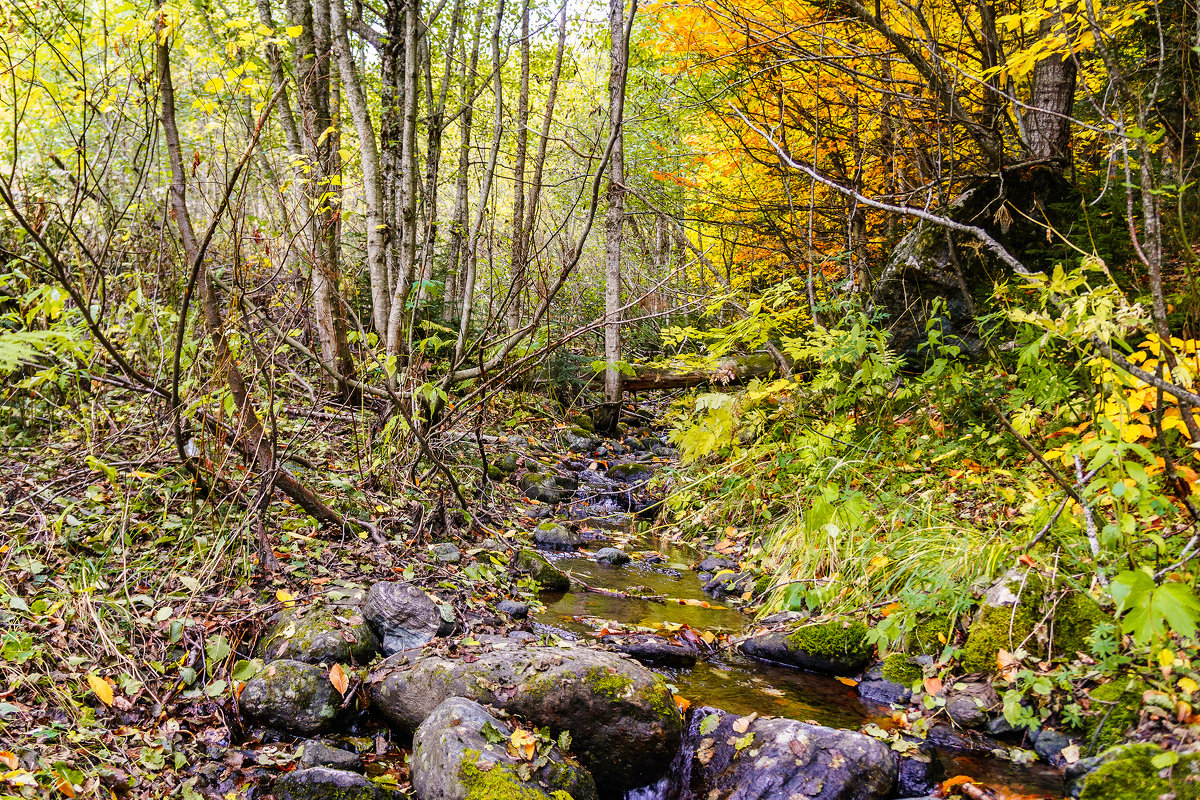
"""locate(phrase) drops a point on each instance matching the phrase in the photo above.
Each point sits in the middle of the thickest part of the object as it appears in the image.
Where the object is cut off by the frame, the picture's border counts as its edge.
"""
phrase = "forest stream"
(660, 590)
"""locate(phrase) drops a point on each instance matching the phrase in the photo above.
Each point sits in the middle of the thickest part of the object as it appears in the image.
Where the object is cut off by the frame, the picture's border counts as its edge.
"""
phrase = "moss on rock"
(998, 628)
(834, 639)
(500, 782)
(1115, 709)
(924, 631)
(546, 574)
(1074, 619)
(1128, 773)
(900, 668)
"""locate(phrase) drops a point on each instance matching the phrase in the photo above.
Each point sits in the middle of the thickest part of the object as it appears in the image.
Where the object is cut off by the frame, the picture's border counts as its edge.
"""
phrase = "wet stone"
(654, 650)
(612, 555)
(318, 754)
(291, 696)
(513, 608)
(971, 704)
(557, 537)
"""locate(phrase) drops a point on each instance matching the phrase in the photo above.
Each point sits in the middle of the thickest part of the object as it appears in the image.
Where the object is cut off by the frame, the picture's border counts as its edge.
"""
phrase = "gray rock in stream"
(655, 650)
(541, 487)
(404, 616)
(458, 754)
(557, 537)
(612, 555)
(781, 758)
(621, 716)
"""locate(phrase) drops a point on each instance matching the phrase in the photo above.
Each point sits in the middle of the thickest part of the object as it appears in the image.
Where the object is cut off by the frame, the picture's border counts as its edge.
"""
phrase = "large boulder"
(461, 752)
(320, 783)
(403, 616)
(934, 268)
(291, 696)
(621, 716)
(727, 757)
(836, 647)
(320, 634)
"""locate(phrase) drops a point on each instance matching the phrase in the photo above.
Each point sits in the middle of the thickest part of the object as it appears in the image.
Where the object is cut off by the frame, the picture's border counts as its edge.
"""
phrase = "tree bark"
(512, 313)
(1048, 119)
(376, 220)
(610, 412)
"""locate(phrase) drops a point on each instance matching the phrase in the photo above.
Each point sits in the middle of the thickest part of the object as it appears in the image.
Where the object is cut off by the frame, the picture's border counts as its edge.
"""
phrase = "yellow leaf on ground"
(9, 759)
(522, 744)
(1007, 664)
(683, 703)
(102, 689)
(285, 597)
(337, 676)
(847, 681)
(63, 785)
(932, 685)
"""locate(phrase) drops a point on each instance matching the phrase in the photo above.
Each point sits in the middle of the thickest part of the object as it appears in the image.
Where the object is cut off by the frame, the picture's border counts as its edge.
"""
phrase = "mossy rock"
(838, 646)
(507, 463)
(291, 696)
(1129, 773)
(541, 486)
(630, 473)
(1074, 619)
(320, 635)
(900, 668)
(583, 421)
(923, 633)
(997, 628)
(1115, 708)
(320, 783)
(548, 576)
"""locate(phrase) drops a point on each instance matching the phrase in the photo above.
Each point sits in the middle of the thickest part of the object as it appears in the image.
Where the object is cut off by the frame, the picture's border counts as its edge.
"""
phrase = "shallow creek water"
(725, 679)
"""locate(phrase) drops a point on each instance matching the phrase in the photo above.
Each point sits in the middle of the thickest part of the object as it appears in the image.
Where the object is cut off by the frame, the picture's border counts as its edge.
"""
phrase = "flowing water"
(724, 678)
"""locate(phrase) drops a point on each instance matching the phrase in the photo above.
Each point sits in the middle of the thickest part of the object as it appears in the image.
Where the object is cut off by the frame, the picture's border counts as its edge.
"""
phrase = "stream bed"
(723, 677)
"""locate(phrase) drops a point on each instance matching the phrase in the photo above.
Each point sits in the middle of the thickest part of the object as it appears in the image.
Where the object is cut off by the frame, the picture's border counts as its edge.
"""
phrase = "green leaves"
(1152, 611)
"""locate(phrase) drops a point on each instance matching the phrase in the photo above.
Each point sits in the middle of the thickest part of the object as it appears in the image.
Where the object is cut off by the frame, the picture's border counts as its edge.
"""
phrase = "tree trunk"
(456, 275)
(376, 221)
(610, 412)
(512, 313)
(312, 55)
(1048, 119)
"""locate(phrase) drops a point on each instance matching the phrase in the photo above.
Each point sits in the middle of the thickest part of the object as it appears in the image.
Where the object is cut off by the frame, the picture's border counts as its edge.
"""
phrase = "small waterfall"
(654, 791)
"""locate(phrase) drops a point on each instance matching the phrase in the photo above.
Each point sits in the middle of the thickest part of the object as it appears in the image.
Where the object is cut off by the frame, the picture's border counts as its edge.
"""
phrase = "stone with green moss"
(321, 634)
(900, 668)
(1021, 610)
(548, 576)
(291, 696)
(838, 646)
(631, 472)
(461, 752)
(1115, 707)
(557, 537)
(929, 633)
(622, 717)
(1130, 773)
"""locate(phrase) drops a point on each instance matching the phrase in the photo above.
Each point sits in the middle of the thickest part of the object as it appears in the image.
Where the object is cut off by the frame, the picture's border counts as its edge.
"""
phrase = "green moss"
(1074, 619)
(899, 668)
(1114, 711)
(499, 783)
(1129, 774)
(612, 685)
(546, 574)
(835, 638)
(661, 701)
(924, 631)
(762, 584)
(998, 628)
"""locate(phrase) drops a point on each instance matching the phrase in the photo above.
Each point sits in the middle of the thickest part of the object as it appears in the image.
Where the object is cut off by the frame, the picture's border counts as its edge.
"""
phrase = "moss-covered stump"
(1129, 773)
(291, 696)
(548, 576)
(320, 634)
(836, 647)
(461, 752)
(1020, 610)
(320, 783)
(621, 716)
(1114, 710)
(727, 756)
